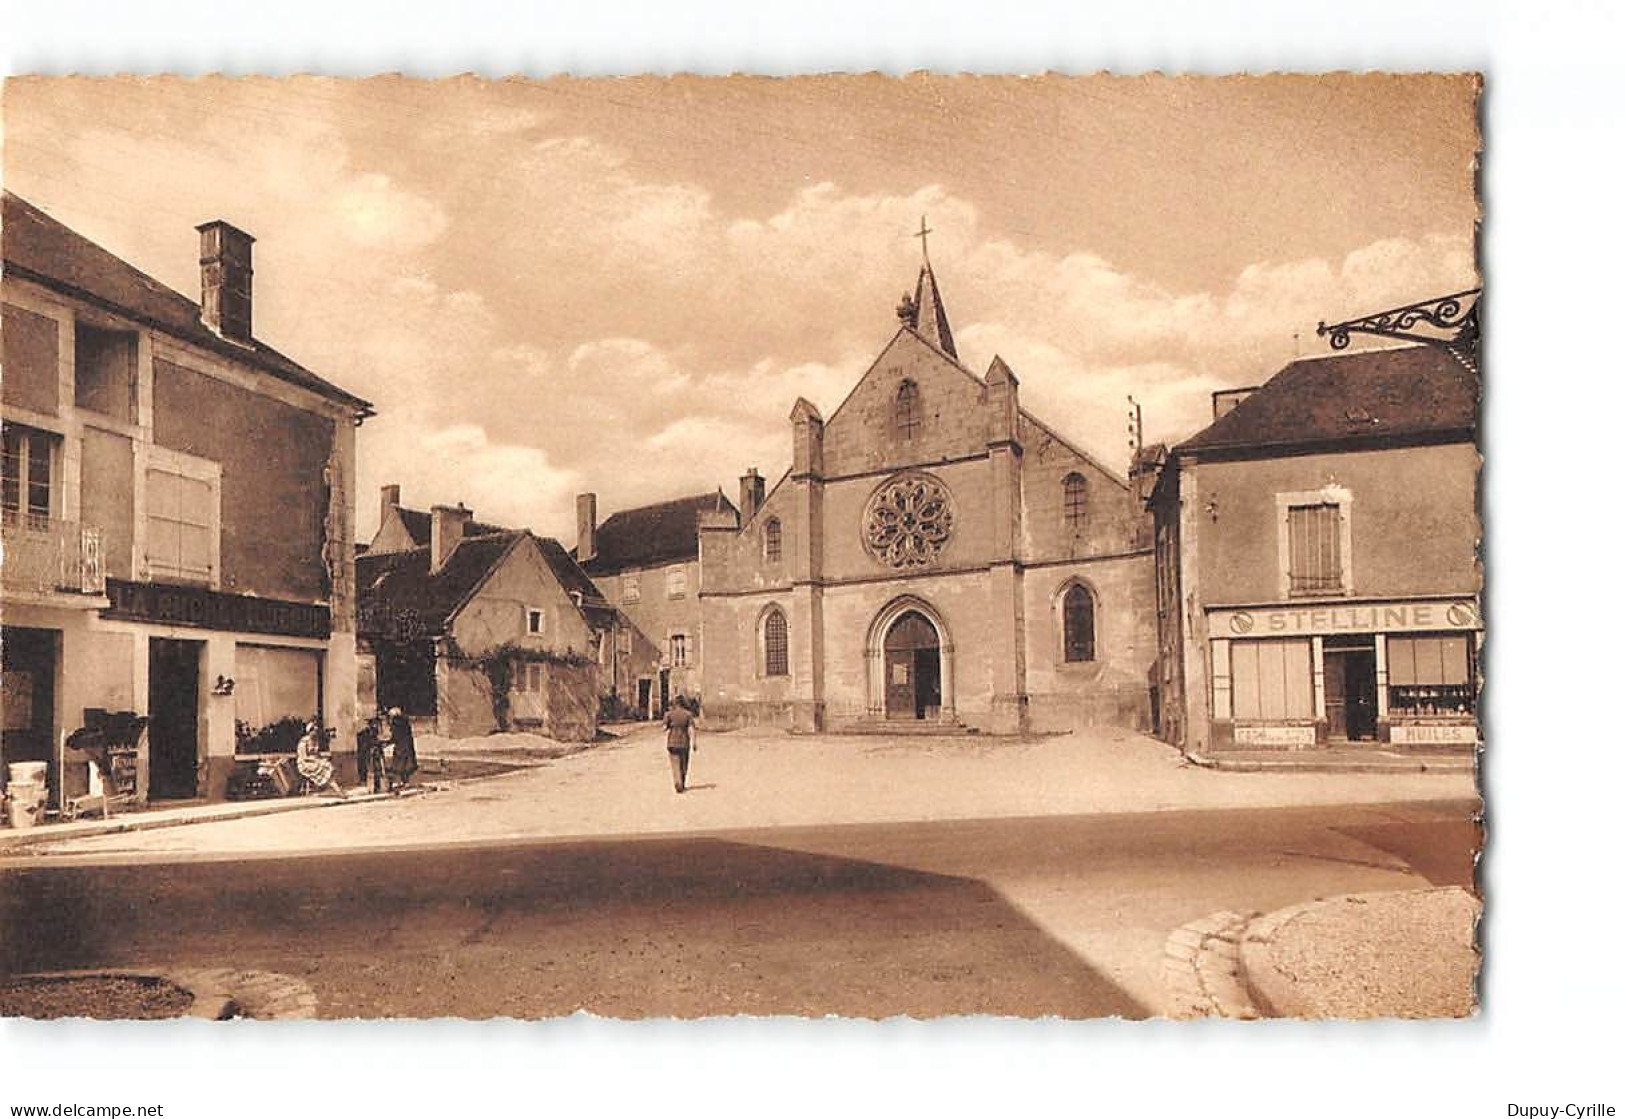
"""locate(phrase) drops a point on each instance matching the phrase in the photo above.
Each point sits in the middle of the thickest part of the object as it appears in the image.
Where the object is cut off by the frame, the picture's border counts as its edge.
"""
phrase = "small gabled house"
(469, 634)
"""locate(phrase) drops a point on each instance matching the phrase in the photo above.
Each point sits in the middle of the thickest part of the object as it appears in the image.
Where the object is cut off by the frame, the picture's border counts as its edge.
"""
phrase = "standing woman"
(313, 767)
(405, 761)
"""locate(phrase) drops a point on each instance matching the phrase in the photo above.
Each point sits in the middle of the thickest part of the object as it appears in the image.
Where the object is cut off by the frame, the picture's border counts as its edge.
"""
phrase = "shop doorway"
(645, 697)
(172, 704)
(913, 667)
(29, 699)
(1351, 693)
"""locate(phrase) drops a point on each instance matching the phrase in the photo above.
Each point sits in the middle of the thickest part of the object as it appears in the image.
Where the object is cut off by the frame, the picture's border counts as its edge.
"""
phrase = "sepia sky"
(623, 285)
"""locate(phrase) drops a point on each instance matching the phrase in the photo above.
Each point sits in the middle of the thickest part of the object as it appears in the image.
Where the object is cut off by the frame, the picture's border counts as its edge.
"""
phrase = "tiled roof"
(1354, 397)
(37, 247)
(394, 586)
(418, 524)
(653, 534)
(567, 571)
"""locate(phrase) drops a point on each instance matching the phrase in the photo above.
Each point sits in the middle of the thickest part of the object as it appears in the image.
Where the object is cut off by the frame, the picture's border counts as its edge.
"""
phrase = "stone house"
(434, 616)
(177, 517)
(935, 554)
(646, 562)
(1317, 568)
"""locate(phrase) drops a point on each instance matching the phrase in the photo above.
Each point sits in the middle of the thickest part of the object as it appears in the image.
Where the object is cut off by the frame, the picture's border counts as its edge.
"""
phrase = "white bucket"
(26, 773)
(27, 799)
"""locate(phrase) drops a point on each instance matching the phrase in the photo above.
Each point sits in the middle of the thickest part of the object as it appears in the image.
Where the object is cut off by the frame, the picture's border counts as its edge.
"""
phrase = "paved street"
(1062, 913)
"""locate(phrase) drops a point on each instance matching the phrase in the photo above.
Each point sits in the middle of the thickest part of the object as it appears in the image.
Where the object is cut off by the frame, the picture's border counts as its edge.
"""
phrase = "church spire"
(925, 312)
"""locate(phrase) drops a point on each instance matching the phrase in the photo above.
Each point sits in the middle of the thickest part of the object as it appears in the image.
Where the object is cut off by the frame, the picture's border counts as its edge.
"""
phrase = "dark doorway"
(913, 669)
(29, 700)
(645, 691)
(406, 678)
(665, 690)
(1351, 693)
(172, 703)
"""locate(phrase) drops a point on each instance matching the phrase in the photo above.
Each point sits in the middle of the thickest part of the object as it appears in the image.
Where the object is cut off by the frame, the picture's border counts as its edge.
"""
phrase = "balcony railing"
(44, 556)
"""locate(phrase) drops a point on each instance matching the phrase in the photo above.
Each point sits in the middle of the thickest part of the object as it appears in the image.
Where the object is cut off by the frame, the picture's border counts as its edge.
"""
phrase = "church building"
(936, 556)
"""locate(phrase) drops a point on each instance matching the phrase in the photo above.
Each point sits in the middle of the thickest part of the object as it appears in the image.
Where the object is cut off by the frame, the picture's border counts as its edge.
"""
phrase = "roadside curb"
(11, 839)
(1202, 968)
(260, 995)
(1220, 763)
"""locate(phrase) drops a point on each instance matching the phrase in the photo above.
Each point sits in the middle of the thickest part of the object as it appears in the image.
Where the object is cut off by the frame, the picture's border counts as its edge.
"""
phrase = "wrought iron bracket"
(1448, 321)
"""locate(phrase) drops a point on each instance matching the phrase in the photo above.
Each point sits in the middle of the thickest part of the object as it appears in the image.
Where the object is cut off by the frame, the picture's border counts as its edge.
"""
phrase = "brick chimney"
(752, 491)
(389, 497)
(445, 532)
(226, 255)
(586, 527)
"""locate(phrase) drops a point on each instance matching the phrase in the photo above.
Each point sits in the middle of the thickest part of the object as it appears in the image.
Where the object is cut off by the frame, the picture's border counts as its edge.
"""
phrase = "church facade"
(935, 554)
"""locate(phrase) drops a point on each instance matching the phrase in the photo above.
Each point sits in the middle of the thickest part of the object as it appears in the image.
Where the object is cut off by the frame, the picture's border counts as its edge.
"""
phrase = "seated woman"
(313, 766)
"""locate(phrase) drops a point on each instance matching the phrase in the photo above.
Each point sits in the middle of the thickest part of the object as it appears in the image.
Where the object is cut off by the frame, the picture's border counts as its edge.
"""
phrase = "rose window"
(909, 521)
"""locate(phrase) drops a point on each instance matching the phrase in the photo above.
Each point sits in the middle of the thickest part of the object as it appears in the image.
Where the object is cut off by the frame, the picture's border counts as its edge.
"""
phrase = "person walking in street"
(679, 743)
(313, 765)
(404, 763)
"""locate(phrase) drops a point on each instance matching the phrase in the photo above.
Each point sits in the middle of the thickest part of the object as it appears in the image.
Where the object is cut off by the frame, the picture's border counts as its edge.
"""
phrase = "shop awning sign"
(1311, 619)
(170, 604)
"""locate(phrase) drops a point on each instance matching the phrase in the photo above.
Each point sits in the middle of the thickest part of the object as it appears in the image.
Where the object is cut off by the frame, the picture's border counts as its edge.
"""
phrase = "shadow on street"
(662, 927)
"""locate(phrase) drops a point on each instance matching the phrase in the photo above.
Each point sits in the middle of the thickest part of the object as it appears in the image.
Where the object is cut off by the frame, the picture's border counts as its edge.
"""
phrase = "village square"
(945, 665)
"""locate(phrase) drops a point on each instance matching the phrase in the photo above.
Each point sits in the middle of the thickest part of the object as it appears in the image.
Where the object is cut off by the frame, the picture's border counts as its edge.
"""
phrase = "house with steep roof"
(473, 632)
(1317, 570)
(400, 528)
(177, 516)
(646, 561)
(935, 557)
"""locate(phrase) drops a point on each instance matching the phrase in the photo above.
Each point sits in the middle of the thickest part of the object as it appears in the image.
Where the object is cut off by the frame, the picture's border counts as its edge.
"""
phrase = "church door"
(913, 669)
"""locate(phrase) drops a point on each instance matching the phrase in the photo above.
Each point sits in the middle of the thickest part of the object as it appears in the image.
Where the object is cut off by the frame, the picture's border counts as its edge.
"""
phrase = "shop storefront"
(230, 681)
(1301, 675)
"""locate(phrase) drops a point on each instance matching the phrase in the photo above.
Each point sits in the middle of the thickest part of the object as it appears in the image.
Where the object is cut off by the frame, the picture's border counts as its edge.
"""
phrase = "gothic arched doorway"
(913, 668)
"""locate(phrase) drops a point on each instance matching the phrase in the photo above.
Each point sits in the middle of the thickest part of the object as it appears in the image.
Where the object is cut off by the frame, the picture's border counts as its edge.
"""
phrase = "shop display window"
(1430, 675)
(1272, 680)
(277, 691)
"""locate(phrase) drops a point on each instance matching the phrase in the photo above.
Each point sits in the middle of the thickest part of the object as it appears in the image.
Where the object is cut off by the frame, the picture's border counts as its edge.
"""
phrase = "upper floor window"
(29, 467)
(183, 518)
(772, 540)
(907, 410)
(776, 644)
(535, 621)
(676, 581)
(1078, 624)
(104, 365)
(631, 589)
(679, 650)
(1316, 548)
(1074, 499)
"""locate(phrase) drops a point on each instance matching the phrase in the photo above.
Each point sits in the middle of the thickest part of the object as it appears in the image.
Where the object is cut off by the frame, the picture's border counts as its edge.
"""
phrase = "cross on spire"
(925, 253)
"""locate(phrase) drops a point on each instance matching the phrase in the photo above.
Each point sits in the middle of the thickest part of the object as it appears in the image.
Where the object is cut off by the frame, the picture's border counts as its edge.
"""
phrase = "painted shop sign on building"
(1364, 617)
(168, 604)
(1429, 734)
(1275, 736)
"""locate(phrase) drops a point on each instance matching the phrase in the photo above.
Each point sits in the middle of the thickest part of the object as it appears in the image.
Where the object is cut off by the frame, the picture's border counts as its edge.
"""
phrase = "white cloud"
(378, 214)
